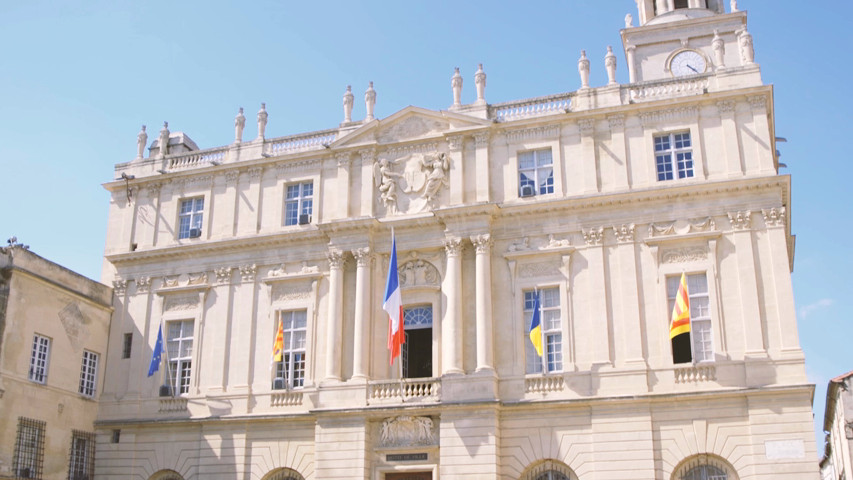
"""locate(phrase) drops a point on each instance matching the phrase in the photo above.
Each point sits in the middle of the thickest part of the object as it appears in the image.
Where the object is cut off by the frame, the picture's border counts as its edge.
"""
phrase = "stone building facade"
(593, 201)
(54, 326)
(837, 461)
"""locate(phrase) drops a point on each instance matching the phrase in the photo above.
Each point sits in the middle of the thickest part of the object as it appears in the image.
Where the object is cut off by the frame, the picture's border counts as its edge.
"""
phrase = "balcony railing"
(695, 374)
(173, 404)
(409, 389)
(532, 107)
(300, 143)
(286, 399)
(198, 158)
(544, 384)
(668, 89)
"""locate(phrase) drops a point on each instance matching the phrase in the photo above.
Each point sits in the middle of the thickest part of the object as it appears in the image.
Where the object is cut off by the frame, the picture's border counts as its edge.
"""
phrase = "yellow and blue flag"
(536, 327)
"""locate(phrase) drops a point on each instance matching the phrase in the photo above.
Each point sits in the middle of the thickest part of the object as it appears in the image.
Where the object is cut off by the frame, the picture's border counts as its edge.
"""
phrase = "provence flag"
(393, 304)
(278, 346)
(679, 327)
(536, 327)
(158, 352)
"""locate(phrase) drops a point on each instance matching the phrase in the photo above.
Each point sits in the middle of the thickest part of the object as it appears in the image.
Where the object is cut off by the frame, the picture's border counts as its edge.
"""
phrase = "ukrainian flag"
(536, 327)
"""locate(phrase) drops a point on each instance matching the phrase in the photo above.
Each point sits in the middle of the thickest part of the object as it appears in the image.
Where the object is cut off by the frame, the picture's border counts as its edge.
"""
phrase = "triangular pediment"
(410, 123)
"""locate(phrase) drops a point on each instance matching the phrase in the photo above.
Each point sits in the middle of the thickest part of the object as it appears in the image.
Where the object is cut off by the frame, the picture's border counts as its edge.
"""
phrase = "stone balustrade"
(389, 391)
(173, 404)
(286, 399)
(532, 107)
(544, 384)
(300, 143)
(196, 159)
(695, 374)
(680, 87)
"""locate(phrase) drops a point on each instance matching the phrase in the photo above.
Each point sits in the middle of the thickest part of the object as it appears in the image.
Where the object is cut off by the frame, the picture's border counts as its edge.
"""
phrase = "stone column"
(362, 306)
(747, 284)
(335, 320)
(451, 333)
(632, 67)
(485, 353)
(481, 160)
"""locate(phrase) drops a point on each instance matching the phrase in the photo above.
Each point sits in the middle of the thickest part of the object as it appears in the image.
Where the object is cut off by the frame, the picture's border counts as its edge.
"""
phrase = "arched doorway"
(549, 470)
(283, 474)
(704, 467)
(166, 475)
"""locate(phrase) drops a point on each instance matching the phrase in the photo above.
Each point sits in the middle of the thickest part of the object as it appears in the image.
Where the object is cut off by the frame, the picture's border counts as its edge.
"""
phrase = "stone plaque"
(405, 457)
(782, 449)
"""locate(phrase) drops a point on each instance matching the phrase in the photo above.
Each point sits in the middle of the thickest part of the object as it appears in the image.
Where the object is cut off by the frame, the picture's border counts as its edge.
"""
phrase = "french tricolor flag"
(393, 304)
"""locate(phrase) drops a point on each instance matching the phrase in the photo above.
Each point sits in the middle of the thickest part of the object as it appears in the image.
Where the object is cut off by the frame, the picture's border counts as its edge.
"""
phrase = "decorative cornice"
(453, 246)
(409, 149)
(336, 259)
(593, 236)
(534, 133)
(482, 243)
(282, 169)
(247, 272)
(624, 233)
(682, 227)
(668, 115)
(740, 220)
(774, 217)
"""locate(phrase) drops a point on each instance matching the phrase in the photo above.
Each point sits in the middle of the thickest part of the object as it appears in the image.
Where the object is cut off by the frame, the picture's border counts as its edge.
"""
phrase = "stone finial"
(629, 21)
(719, 50)
(348, 102)
(456, 86)
(733, 5)
(164, 140)
(369, 102)
(610, 66)
(239, 123)
(583, 69)
(480, 83)
(747, 53)
(141, 141)
(262, 121)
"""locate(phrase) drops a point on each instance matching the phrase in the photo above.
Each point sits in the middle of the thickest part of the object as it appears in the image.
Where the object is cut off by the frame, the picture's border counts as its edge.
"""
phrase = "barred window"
(88, 373)
(128, 344)
(81, 465)
(29, 448)
(39, 359)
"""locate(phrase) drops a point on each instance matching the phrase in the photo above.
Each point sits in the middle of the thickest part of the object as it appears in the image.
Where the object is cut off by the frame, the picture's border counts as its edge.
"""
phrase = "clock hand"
(691, 68)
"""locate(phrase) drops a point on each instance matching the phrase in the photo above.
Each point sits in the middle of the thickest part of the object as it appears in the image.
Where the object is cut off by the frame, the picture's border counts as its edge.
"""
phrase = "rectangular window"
(190, 218)
(29, 448)
(116, 436)
(701, 337)
(126, 346)
(88, 374)
(39, 359)
(551, 325)
(298, 203)
(81, 465)
(180, 350)
(535, 173)
(290, 371)
(673, 156)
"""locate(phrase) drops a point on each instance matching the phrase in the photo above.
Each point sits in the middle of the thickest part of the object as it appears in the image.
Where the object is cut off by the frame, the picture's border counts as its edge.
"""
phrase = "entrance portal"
(409, 476)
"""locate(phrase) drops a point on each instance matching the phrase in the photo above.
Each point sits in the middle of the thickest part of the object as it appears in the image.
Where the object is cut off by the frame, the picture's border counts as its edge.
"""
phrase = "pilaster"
(751, 314)
(590, 171)
(334, 326)
(457, 172)
(451, 346)
(734, 165)
(481, 160)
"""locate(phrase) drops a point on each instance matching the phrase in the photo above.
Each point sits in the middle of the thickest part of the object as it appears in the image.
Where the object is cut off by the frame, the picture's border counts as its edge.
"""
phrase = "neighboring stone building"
(54, 326)
(838, 425)
(595, 200)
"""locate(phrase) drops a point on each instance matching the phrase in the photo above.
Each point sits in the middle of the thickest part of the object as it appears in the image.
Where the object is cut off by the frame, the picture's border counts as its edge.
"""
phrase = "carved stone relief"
(682, 227)
(683, 255)
(290, 291)
(740, 220)
(143, 284)
(521, 245)
(247, 272)
(653, 118)
(538, 269)
(418, 272)
(535, 133)
(199, 278)
(624, 233)
(593, 236)
(223, 275)
(411, 183)
(74, 323)
(405, 431)
(411, 127)
(119, 286)
(774, 217)
(174, 303)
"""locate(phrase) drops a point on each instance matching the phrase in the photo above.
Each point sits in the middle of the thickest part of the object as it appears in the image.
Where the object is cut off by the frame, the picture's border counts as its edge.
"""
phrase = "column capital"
(453, 246)
(336, 259)
(343, 159)
(362, 256)
(740, 220)
(624, 233)
(455, 142)
(482, 138)
(593, 236)
(482, 243)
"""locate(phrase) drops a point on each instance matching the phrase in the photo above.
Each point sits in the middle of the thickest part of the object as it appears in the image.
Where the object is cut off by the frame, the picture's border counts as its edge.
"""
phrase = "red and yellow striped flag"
(278, 346)
(679, 326)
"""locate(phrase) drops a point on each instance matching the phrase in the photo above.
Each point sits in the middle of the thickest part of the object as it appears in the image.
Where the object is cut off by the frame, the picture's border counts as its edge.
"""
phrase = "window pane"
(526, 160)
(543, 157)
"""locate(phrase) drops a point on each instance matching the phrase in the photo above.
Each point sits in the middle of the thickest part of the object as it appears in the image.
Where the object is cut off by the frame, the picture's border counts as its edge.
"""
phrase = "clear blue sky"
(78, 78)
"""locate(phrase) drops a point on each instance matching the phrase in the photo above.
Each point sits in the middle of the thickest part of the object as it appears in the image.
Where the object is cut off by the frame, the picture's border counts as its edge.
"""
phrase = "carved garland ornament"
(539, 269)
(683, 255)
(404, 431)
(418, 272)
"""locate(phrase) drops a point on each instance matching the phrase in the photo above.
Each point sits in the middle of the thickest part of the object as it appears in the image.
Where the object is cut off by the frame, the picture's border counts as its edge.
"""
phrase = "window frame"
(39, 366)
(709, 322)
(300, 200)
(81, 464)
(287, 368)
(672, 153)
(548, 332)
(180, 384)
(127, 345)
(29, 456)
(536, 168)
(88, 385)
(194, 216)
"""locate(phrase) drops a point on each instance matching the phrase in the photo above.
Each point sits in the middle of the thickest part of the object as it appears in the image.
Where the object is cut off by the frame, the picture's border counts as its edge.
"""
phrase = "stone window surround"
(529, 145)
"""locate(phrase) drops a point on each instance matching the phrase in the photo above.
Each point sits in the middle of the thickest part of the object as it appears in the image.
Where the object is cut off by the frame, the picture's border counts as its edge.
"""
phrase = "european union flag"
(158, 352)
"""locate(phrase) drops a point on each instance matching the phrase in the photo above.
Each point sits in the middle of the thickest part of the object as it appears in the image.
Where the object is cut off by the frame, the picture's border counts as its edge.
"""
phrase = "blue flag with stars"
(158, 352)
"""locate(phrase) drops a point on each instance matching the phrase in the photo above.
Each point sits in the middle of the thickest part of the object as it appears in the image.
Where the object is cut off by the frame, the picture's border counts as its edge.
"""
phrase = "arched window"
(283, 474)
(549, 470)
(166, 475)
(704, 467)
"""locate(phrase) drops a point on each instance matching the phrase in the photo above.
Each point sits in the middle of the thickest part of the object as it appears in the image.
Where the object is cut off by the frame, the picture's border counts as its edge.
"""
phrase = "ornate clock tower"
(691, 39)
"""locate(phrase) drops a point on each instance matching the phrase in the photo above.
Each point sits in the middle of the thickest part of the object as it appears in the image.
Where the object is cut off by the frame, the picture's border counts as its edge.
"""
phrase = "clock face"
(687, 62)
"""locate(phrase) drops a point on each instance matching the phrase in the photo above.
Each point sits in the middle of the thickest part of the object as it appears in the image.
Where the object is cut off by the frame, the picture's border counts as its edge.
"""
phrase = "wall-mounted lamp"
(127, 178)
